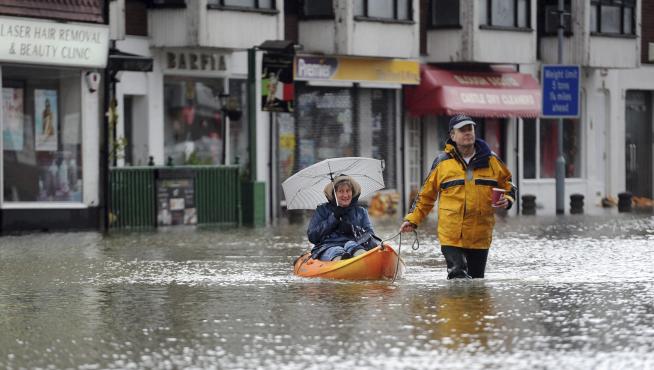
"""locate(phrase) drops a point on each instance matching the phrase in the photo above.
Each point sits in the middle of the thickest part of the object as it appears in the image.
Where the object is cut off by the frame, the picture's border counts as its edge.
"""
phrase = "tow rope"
(415, 246)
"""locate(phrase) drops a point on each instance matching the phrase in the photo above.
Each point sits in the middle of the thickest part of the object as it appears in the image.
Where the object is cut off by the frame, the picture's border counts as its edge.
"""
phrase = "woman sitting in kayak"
(340, 228)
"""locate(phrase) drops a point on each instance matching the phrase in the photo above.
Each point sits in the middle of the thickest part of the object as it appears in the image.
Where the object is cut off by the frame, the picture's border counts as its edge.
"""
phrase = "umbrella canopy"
(304, 190)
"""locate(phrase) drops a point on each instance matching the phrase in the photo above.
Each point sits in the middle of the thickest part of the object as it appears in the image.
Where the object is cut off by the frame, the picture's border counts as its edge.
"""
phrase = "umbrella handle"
(331, 177)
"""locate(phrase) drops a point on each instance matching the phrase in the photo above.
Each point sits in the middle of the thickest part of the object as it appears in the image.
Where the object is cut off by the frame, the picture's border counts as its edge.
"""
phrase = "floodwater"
(570, 292)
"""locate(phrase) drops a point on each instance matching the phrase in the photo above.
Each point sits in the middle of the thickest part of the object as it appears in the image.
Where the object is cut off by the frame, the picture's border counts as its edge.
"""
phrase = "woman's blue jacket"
(323, 228)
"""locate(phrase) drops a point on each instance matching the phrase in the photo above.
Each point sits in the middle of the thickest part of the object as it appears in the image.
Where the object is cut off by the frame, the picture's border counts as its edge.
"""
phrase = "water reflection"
(455, 316)
(572, 292)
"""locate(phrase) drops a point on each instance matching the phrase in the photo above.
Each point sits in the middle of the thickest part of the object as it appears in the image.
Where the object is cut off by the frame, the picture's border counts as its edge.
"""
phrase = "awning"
(122, 61)
(479, 94)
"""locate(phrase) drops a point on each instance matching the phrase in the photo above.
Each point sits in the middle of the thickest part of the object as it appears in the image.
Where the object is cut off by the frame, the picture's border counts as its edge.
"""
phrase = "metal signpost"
(560, 100)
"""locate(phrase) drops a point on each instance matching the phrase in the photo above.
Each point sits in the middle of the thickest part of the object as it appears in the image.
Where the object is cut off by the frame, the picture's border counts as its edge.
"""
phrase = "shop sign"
(44, 42)
(277, 91)
(397, 71)
(190, 60)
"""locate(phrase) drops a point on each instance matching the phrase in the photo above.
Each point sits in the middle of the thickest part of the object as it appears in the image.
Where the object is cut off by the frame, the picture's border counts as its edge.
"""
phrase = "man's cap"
(461, 120)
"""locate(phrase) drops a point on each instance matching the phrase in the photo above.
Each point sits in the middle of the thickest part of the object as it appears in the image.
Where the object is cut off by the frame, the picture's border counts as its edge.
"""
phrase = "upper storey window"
(549, 18)
(317, 9)
(244, 4)
(505, 13)
(167, 3)
(398, 10)
(613, 17)
(444, 13)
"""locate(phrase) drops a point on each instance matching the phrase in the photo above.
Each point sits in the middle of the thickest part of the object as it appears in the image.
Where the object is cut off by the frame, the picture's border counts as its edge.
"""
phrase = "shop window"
(444, 13)
(529, 143)
(377, 122)
(253, 4)
(42, 135)
(383, 9)
(549, 148)
(491, 130)
(377, 138)
(505, 13)
(194, 127)
(613, 17)
(317, 9)
(325, 125)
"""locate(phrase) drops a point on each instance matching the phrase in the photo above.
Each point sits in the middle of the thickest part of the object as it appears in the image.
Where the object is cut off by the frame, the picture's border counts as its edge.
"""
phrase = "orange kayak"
(376, 264)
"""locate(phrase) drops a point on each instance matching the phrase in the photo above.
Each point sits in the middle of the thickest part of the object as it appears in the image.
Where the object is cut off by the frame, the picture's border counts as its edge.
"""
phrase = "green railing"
(218, 194)
(133, 197)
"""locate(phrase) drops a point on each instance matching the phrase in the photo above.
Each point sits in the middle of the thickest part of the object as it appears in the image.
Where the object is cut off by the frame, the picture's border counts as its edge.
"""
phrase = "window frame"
(537, 155)
(30, 85)
(257, 7)
(304, 16)
(596, 6)
(167, 4)
(488, 22)
(430, 20)
(366, 12)
(567, 27)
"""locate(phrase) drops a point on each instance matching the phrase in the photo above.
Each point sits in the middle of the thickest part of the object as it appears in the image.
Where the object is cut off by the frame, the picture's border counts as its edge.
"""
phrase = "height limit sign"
(560, 91)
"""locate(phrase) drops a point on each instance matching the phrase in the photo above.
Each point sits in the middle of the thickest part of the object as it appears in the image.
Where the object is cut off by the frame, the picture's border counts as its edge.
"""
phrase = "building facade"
(52, 57)
(602, 156)
(483, 58)
(367, 78)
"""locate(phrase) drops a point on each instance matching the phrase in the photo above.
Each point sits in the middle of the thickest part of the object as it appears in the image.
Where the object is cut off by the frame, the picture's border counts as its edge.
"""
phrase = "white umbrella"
(304, 190)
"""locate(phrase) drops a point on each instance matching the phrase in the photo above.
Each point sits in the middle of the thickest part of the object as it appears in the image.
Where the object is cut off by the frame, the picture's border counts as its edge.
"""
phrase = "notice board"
(176, 199)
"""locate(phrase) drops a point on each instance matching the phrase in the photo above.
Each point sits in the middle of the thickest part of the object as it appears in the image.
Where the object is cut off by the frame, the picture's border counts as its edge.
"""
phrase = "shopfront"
(496, 98)
(51, 114)
(346, 107)
(204, 114)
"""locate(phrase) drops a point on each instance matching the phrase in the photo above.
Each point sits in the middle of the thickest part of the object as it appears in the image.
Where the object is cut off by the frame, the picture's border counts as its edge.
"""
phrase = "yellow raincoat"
(465, 215)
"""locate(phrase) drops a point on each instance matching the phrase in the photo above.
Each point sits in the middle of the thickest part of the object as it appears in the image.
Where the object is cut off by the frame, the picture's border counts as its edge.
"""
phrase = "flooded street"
(560, 293)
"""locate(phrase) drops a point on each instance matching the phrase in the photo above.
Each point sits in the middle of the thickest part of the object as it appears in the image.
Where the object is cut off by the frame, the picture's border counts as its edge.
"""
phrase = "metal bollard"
(624, 202)
(528, 204)
(576, 203)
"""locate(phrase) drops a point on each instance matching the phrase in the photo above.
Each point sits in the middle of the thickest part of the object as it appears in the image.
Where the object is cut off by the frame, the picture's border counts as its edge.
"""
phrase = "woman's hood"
(329, 189)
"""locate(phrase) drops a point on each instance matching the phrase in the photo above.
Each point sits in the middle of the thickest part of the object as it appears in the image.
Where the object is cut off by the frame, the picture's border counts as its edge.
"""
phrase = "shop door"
(638, 143)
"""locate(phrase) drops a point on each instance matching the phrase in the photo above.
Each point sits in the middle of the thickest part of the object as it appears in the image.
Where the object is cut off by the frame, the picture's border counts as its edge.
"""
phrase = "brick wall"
(68, 10)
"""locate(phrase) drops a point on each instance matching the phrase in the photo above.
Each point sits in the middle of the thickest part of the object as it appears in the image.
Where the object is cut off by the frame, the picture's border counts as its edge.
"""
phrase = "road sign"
(561, 91)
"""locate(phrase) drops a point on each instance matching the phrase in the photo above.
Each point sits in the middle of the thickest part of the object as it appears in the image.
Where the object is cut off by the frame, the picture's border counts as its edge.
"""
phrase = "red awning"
(479, 94)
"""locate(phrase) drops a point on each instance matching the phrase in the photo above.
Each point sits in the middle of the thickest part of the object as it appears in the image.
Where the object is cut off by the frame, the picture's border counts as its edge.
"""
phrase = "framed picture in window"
(12, 117)
(45, 120)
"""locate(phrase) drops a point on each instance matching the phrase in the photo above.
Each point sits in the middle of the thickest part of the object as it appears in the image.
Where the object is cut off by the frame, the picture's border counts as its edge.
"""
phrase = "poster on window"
(12, 117)
(277, 88)
(45, 120)
(176, 202)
